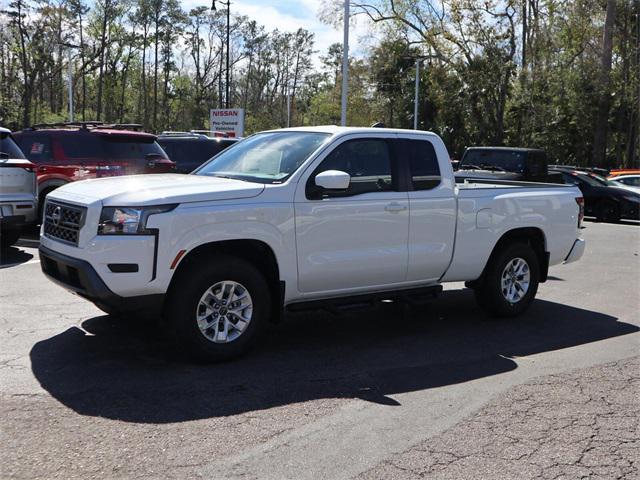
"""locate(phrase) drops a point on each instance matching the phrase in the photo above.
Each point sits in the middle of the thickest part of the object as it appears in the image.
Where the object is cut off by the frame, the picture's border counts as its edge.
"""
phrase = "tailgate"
(17, 176)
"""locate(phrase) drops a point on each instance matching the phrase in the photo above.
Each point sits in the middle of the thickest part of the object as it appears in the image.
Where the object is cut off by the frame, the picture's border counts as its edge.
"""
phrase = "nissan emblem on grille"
(55, 216)
(63, 222)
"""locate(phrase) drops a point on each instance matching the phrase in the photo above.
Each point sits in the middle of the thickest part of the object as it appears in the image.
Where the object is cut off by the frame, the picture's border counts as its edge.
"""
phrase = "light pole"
(345, 65)
(213, 7)
(417, 96)
(70, 79)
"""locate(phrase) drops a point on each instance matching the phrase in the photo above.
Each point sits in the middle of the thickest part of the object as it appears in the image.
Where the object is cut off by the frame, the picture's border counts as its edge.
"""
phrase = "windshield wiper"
(488, 166)
(231, 177)
(469, 166)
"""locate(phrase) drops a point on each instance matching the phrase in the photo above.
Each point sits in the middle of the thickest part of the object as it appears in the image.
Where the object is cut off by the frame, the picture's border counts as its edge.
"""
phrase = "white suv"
(18, 190)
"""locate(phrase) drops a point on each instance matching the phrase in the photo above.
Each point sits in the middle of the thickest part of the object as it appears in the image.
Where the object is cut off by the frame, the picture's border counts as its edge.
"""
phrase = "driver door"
(354, 238)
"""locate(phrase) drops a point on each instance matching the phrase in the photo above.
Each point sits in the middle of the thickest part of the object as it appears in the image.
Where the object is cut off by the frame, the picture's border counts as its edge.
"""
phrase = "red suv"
(68, 152)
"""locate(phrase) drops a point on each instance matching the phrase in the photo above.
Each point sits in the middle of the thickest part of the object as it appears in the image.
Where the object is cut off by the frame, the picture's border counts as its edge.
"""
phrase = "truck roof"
(510, 149)
(334, 130)
(4, 130)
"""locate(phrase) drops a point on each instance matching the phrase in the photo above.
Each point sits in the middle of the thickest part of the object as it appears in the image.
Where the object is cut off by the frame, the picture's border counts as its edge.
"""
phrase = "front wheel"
(218, 307)
(510, 281)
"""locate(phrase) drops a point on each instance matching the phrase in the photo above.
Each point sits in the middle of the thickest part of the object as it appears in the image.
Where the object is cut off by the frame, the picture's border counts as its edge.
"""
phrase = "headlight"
(128, 220)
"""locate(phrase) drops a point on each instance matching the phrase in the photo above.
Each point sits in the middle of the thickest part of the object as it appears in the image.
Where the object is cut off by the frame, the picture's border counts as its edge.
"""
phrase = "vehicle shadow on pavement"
(13, 256)
(121, 369)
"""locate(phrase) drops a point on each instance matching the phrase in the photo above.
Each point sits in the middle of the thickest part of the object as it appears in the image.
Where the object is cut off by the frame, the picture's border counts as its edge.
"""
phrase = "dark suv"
(506, 163)
(69, 152)
(190, 150)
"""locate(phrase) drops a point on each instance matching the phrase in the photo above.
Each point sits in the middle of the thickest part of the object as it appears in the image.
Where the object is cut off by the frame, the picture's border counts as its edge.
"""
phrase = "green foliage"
(482, 81)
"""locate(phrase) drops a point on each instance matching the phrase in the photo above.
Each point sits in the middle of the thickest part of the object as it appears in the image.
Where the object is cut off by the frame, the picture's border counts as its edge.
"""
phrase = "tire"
(509, 302)
(197, 328)
(608, 211)
(9, 237)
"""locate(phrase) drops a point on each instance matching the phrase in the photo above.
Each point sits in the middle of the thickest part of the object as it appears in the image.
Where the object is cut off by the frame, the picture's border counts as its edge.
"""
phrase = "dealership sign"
(230, 120)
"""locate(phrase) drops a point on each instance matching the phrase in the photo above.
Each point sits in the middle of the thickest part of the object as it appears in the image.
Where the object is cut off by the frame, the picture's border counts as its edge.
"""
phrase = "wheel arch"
(533, 236)
(256, 252)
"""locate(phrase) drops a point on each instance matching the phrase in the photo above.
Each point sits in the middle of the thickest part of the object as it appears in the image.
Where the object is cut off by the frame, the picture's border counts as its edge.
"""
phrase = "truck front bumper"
(576, 251)
(79, 277)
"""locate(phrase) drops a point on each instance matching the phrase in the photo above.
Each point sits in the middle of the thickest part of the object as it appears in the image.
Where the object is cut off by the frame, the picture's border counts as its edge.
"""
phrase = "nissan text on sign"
(230, 120)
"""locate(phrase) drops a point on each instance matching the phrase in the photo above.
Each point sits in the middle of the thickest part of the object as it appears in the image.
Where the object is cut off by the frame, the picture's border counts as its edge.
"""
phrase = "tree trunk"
(604, 103)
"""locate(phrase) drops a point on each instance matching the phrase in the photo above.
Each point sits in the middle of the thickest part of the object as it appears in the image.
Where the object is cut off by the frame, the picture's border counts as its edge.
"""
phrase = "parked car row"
(604, 199)
(39, 159)
(609, 200)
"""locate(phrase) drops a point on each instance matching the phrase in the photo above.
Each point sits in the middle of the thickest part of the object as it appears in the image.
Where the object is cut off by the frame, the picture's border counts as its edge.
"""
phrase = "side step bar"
(338, 305)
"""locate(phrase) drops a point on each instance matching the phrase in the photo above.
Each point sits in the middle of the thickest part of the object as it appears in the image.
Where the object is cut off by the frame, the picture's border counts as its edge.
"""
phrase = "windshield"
(592, 180)
(506, 160)
(269, 157)
(604, 181)
(9, 147)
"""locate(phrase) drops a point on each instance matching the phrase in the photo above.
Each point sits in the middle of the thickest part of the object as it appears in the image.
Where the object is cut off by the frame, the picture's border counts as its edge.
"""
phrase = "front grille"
(63, 222)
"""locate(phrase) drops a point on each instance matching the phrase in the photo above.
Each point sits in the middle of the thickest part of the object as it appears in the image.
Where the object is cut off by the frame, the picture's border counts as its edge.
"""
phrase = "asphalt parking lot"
(438, 392)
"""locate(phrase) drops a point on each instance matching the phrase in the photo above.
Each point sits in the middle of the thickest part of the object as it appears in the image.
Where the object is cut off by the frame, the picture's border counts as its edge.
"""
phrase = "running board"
(338, 305)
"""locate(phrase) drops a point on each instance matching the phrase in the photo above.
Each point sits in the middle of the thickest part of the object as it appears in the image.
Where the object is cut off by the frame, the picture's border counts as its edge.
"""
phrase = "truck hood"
(156, 189)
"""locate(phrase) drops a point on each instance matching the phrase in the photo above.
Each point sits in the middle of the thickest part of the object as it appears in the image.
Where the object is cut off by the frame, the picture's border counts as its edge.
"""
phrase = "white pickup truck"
(303, 218)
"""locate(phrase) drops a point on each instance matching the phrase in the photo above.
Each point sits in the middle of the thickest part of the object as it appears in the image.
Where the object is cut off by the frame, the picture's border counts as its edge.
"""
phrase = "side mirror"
(333, 180)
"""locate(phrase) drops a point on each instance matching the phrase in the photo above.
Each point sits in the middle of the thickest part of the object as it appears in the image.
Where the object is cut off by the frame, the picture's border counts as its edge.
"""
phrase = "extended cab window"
(423, 163)
(367, 161)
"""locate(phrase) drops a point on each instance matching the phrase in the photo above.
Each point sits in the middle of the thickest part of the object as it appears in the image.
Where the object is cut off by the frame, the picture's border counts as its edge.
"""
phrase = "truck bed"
(487, 209)
(474, 183)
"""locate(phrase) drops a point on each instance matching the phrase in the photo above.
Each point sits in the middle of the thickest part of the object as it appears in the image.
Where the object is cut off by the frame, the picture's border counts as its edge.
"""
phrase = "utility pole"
(417, 96)
(345, 65)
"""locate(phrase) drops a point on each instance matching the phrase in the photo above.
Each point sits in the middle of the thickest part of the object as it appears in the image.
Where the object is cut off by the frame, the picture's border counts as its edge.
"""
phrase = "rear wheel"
(510, 281)
(9, 237)
(218, 307)
(608, 211)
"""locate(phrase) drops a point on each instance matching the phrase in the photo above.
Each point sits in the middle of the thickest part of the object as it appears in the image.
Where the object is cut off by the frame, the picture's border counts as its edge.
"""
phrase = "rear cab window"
(422, 161)
(507, 160)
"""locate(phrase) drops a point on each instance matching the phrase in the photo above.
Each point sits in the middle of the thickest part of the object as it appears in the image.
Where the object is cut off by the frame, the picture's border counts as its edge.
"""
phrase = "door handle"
(395, 207)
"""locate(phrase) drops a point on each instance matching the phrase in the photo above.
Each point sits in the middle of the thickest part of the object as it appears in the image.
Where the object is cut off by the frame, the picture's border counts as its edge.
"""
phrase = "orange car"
(623, 171)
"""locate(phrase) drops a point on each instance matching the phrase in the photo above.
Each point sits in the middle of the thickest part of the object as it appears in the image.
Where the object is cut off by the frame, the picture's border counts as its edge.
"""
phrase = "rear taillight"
(580, 202)
(29, 167)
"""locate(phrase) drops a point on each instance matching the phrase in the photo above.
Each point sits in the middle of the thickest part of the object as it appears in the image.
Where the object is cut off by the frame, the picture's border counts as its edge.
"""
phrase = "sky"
(289, 15)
